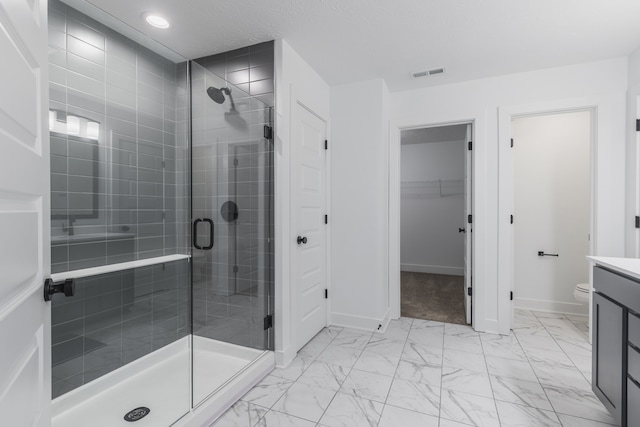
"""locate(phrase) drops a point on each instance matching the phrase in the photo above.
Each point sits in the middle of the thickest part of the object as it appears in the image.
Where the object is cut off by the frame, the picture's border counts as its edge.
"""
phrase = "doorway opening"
(435, 223)
(552, 211)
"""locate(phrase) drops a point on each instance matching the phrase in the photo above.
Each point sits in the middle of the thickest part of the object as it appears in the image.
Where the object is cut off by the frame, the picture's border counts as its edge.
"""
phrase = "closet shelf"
(433, 188)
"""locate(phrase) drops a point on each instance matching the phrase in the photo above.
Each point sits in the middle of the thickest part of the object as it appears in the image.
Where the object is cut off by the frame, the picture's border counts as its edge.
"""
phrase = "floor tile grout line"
(533, 370)
(441, 373)
(543, 387)
(493, 394)
(393, 379)
(345, 379)
(563, 350)
(303, 371)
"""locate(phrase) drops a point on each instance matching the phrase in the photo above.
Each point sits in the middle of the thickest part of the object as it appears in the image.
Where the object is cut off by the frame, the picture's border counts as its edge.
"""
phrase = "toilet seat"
(582, 292)
(583, 287)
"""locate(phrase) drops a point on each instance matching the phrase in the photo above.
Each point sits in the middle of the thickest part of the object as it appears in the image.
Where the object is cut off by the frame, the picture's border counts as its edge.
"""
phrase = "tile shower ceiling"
(356, 40)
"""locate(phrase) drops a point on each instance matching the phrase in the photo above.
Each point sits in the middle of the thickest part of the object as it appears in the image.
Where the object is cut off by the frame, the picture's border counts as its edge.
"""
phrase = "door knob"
(302, 240)
(461, 230)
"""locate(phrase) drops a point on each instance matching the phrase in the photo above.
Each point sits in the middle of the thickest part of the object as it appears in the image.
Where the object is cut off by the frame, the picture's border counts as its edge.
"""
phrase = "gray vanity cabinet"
(607, 353)
(616, 344)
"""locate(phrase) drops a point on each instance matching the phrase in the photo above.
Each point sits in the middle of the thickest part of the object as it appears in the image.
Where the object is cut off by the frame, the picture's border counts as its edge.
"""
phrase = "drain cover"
(137, 414)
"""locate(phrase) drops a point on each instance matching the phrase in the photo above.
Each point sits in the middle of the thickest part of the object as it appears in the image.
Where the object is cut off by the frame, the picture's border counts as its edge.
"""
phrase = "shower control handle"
(302, 240)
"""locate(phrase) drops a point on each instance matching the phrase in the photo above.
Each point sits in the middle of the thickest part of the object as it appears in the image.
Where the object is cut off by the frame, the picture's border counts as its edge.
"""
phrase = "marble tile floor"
(431, 374)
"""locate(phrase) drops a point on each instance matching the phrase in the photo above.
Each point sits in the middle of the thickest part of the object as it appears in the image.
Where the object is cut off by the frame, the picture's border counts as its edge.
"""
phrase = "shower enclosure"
(232, 207)
(162, 213)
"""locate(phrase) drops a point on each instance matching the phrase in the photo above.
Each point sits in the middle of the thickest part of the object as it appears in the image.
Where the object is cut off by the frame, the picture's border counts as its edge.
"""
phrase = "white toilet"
(581, 293)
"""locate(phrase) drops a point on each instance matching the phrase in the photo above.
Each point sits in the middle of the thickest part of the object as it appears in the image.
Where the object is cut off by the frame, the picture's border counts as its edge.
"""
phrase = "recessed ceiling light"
(156, 20)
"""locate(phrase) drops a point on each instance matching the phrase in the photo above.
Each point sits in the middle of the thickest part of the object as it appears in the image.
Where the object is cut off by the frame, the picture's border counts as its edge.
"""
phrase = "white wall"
(430, 241)
(602, 84)
(358, 149)
(633, 156)
(294, 80)
(634, 69)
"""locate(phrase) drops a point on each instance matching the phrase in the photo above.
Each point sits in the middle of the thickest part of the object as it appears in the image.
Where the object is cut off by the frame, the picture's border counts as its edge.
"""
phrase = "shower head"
(217, 94)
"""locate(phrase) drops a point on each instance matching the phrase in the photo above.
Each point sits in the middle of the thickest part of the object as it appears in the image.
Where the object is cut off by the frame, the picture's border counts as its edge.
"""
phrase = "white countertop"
(628, 266)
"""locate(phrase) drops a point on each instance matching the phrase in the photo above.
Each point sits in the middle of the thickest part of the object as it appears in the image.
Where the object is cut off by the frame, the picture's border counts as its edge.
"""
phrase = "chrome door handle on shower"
(195, 233)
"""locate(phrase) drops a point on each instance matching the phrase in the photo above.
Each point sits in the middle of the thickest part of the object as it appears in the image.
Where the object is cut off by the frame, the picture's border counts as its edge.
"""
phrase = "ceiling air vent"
(426, 73)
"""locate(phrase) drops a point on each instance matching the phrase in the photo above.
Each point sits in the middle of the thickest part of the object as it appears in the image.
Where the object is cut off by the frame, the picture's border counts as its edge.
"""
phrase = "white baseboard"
(489, 326)
(385, 322)
(551, 306)
(432, 269)
(285, 357)
(358, 322)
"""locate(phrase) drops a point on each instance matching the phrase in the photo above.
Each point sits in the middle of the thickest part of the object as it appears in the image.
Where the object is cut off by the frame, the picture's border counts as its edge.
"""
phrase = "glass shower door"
(232, 189)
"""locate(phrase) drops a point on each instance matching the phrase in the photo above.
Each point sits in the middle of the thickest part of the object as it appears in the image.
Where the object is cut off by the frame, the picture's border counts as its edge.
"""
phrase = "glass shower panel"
(232, 214)
(118, 121)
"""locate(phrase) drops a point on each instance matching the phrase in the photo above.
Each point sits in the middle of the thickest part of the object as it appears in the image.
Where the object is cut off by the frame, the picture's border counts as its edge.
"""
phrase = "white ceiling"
(353, 40)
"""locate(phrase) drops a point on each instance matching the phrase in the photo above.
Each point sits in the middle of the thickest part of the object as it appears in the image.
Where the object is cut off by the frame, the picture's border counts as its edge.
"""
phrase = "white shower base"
(161, 381)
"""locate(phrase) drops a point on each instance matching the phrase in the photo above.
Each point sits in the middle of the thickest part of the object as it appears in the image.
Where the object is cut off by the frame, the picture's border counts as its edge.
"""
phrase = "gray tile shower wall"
(249, 68)
(115, 319)
(119, 196)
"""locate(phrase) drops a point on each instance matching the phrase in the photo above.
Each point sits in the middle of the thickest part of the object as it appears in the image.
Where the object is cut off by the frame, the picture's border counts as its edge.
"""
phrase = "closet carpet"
(432, 297)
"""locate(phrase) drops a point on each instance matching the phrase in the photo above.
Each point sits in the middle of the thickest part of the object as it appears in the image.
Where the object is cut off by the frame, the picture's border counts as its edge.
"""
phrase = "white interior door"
(309, 195)
(636, 150)
(468, 203)
(551, 209)
(25, 330)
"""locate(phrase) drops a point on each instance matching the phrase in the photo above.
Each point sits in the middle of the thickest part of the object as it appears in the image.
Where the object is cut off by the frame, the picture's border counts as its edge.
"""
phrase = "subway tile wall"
(115, 319)
(233, 163)
(250, 69)
(119, 198)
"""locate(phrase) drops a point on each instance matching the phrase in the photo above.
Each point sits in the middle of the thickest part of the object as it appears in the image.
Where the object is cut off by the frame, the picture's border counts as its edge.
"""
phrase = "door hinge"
(470, 146)
(235, 268)
(268, 132)
(470, 219)
(164, 164)
(469, 291)
(638, 222)
(326, 293)
(511, 142)
(511, 296)
(637, 125)
(268, 322)
(511, 219)
(235, 162)
(326, 219)
(326, 144)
